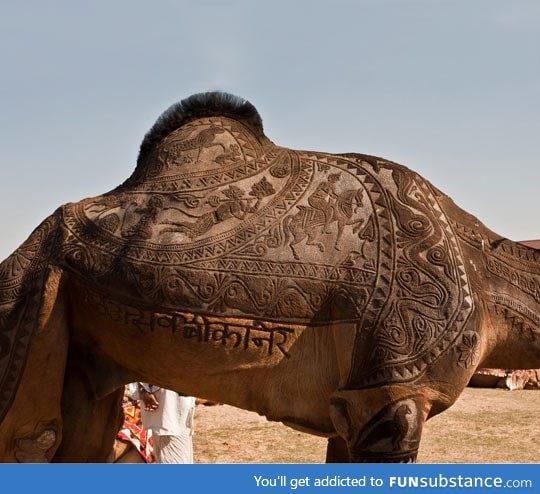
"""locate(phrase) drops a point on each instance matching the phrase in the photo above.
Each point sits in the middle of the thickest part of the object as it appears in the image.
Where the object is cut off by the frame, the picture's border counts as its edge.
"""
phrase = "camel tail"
(22, 279)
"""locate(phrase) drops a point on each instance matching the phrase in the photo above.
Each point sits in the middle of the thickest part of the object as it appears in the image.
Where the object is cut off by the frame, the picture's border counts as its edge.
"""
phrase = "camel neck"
(512, 299)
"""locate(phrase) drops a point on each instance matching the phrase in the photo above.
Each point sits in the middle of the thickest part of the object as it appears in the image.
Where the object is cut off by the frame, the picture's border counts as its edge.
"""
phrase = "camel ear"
(339, 413)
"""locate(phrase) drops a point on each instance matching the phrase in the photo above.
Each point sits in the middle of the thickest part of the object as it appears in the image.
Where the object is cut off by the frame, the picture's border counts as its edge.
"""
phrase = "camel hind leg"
(32, 428)
(90, 424)
(337, 450)
(92, 412)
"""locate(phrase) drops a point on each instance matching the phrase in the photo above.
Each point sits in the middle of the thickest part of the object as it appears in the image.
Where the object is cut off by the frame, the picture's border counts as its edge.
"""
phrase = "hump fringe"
(201, 105)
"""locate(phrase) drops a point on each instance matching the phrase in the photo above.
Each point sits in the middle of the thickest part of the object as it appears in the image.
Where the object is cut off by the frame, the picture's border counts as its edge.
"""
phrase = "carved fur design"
(226, 267)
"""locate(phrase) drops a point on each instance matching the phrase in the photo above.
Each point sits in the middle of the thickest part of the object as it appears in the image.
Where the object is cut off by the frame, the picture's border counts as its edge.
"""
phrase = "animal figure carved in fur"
(343, 295)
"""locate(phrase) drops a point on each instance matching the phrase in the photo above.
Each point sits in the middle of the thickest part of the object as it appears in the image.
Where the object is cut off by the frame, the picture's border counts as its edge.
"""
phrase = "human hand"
(150, 401)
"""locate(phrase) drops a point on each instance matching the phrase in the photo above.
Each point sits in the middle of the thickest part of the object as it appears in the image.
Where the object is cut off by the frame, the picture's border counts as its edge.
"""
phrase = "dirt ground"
(484, 426)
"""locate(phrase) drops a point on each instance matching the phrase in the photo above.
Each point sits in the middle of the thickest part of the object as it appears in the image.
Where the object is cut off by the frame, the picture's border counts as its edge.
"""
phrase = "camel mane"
(201, 105)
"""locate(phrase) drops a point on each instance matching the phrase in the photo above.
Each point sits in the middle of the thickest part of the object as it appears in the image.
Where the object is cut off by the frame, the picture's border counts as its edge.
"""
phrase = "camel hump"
(201, 105)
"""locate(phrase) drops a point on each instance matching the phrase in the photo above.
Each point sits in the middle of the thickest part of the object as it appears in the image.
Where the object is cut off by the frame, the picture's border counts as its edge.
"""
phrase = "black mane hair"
(210, 104)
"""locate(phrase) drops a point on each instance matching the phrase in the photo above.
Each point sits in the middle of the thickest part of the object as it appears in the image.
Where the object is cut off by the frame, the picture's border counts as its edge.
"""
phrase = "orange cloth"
(132, 431)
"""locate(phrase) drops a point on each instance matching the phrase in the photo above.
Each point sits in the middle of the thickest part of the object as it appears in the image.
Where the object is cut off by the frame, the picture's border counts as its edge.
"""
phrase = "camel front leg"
(32, 429)
(381, 425)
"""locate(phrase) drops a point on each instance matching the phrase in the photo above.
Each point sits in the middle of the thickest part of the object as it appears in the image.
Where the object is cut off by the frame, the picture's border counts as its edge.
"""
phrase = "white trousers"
(173, 449)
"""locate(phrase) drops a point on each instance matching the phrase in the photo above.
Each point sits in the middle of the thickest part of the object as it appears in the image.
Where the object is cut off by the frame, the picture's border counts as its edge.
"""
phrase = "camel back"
(219, 222)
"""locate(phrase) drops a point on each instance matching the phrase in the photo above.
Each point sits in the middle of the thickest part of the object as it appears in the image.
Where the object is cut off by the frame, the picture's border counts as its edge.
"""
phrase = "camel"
(360, 344)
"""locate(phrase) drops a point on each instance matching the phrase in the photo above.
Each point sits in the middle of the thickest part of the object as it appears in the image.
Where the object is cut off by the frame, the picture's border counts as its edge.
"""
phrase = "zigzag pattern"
(343, 275)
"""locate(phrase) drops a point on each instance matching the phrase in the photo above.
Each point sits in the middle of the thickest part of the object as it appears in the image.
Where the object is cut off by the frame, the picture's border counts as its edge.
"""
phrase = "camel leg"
(32, 429)
(382, 425)
(92, 410)
(90, 425)
(337, 450)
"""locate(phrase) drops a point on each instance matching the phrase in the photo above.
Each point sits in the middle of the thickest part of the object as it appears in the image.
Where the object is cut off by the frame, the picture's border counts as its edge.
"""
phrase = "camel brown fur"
(343, 295)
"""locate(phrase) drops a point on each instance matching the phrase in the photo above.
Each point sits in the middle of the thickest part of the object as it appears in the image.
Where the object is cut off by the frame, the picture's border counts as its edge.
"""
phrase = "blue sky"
(449, 88)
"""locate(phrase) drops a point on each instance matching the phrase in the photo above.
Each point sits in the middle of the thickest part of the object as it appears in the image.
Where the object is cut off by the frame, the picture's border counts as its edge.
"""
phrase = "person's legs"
(156, 445)
(173, 449)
